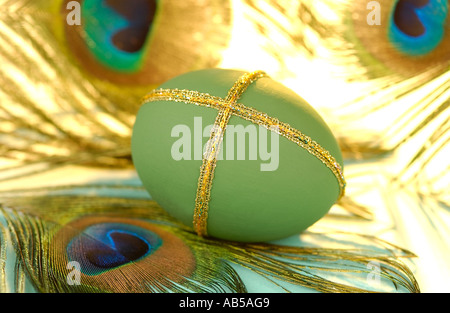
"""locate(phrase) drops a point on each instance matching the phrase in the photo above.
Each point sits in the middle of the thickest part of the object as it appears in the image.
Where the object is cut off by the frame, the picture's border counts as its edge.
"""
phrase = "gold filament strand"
(212, 150)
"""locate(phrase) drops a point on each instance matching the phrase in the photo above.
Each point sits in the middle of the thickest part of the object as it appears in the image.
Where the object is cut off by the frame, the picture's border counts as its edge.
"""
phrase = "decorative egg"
(237, 156)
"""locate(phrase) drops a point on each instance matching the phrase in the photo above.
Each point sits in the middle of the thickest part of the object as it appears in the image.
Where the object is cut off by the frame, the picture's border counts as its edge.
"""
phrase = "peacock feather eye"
(117, 32)
(109, 249)
(107, 246)
(412, 36)
(417, 27)
(146, 42)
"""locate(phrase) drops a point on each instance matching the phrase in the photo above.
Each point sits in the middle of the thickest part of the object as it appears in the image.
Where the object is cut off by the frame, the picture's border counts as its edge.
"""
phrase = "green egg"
(265, 186)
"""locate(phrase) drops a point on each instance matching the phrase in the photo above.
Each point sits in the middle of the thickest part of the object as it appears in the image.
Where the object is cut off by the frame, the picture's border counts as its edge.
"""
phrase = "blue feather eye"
(145, 42)
(111, 249)
(417, 27)
(412, 36)
(109, 245)
(117, 31)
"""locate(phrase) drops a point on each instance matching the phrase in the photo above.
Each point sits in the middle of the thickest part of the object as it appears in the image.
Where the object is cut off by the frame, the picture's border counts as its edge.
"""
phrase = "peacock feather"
(146, 42)
(409, 38)
(395, 56)
(401, 62)
(397, 53)
(63, 82)
(129, 244)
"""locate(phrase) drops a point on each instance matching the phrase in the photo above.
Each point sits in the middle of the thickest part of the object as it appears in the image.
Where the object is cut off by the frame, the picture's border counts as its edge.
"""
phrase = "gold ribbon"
(228, 107)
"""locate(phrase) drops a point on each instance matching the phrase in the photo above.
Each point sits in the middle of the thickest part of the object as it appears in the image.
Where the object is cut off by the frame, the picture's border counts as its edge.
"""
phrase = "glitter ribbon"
(228, 107)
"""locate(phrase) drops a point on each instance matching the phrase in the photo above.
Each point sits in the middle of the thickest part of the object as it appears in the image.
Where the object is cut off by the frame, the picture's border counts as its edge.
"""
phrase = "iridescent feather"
(403, 62)
(132, 245)
(395, 54)
(70, 92)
